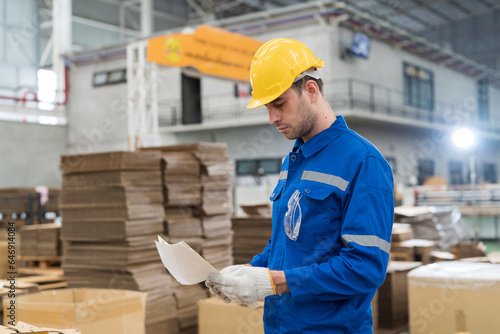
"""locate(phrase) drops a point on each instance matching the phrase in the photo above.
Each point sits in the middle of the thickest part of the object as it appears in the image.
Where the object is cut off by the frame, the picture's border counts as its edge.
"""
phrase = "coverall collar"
(319, 141)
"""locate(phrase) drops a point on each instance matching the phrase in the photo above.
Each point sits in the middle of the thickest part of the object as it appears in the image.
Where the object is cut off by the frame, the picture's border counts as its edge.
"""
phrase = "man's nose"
(274, 115)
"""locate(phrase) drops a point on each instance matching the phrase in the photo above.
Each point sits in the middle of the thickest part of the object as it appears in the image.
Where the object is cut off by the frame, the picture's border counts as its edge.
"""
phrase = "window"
(109, 77)
(47, 88)
(392, 162)
(258, 167)
(418, 87)
(483, 105)
(490, 173)
(456, 172)
(242, 89)
(246, 167)
(191, 100)
(425, 170)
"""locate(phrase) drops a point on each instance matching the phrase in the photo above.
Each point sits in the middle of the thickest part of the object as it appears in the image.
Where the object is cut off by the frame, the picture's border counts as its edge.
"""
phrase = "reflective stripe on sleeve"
(367, 240)
(329, 179)
(283, 175)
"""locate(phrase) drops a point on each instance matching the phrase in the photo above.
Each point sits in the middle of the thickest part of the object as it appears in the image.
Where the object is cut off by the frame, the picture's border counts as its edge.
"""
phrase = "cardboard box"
(401, 232)
(374, 304)
(469, 249)
(91, 311)
(393, 295)
(454, 296)
(215, 317)
(417, 249)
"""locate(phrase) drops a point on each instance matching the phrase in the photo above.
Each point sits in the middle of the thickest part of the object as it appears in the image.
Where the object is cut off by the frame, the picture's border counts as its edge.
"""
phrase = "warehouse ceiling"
(468, 27)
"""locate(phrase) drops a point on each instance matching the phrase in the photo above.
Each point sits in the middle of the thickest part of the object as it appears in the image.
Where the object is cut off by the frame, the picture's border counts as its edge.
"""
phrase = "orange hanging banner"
(210, 50)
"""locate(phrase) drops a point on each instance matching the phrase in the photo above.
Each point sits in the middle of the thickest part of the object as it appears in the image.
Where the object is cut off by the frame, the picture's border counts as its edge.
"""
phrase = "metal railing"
(348, 94)
(355, 94)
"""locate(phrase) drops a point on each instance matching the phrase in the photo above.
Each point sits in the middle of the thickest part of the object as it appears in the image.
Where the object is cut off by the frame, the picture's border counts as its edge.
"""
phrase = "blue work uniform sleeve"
(261, 260)
(360, 267)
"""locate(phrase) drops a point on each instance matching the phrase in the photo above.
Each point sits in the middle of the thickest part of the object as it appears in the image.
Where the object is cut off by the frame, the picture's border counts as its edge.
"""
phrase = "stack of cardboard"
(181, 179)
(251, 235)
(257, 210)
(112, 209)
(443, 225)
(187, 297)
(39, 241)
(405, 248)
(401, 232)
(414, 250)
(469, 250)
(216, 208)
(182, 225)
(208, 164)
(182, 189)
(197, 188)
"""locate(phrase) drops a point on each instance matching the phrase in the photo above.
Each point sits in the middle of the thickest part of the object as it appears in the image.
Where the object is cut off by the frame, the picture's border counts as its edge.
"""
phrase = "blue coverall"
(345, 205)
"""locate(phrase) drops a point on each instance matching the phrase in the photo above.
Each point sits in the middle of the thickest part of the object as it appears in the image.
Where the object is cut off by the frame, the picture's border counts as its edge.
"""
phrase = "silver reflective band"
(329, 179)
(283, 175)
(367, 240)
(312, 72)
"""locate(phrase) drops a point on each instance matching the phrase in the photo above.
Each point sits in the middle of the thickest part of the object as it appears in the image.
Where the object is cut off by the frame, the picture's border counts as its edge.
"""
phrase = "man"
(333, 208)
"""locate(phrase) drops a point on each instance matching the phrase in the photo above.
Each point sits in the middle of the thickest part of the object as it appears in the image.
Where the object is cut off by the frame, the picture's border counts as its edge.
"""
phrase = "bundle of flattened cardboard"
(112, 210)
(40, 240)
(197, 188)
(251, 233)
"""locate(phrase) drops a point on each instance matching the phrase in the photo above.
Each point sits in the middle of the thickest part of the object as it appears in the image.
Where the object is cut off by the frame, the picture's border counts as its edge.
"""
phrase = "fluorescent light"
(463, 138)
(51, 120)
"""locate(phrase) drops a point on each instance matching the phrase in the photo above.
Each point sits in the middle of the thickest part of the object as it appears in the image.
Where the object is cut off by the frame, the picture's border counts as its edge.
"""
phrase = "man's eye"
(280, 105)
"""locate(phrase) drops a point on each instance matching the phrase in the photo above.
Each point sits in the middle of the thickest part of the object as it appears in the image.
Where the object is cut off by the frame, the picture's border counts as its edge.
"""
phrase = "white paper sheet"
(187, 266)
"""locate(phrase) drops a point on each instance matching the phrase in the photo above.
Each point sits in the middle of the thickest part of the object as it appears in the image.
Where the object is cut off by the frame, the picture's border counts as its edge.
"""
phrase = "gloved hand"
(216, 291)
(244, 285)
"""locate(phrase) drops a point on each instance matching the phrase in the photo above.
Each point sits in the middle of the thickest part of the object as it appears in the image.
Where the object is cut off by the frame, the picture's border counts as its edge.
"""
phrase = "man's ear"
(312, 90)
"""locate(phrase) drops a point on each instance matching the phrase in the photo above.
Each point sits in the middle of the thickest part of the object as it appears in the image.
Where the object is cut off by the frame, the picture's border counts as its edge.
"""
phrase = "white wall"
(30, 154)
(97, 116)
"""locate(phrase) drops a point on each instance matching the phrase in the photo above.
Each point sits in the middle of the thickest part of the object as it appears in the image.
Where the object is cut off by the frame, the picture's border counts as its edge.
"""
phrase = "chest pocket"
(275, 196)
(277, 191)
(319, 209)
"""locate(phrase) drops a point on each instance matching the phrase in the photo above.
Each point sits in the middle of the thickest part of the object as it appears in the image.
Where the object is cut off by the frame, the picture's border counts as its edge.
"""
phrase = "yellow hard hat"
(275, 66)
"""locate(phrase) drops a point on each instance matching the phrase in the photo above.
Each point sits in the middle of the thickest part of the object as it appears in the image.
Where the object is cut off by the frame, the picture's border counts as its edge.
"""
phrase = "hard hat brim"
(255, 103)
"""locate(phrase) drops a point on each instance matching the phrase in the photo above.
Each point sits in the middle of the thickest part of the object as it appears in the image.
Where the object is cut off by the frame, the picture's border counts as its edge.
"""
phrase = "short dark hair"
(297, 85)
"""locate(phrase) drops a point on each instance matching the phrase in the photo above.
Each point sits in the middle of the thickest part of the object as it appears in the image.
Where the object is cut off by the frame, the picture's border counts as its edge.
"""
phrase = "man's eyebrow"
(277, 100)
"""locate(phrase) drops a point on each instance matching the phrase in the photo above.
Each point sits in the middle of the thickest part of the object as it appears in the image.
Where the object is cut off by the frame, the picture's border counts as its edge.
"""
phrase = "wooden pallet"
(47, 281)
(31, 271)
(42, 262)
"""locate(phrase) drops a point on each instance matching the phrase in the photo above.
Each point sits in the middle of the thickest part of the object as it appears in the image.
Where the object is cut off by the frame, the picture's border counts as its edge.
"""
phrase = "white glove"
(216, 291)
(245, 285)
